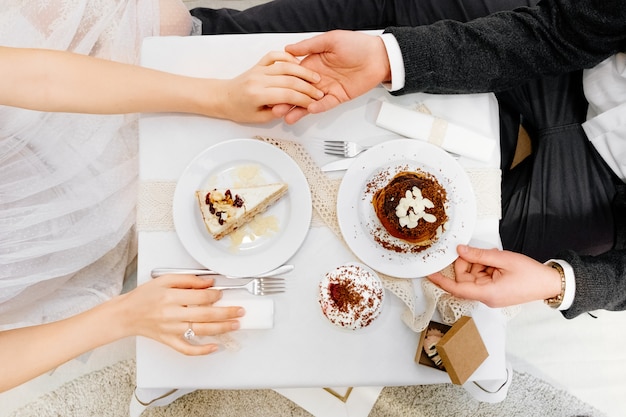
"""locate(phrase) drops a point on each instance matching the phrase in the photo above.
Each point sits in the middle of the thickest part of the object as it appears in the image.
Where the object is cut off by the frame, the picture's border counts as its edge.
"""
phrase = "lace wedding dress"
(68, 181)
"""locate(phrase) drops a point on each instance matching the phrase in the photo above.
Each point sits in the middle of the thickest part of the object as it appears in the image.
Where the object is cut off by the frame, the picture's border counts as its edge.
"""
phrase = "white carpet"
(106, 393)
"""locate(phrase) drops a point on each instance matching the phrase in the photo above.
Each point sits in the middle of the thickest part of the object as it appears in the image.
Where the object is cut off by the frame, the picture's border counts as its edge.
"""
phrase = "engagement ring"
(189, 333)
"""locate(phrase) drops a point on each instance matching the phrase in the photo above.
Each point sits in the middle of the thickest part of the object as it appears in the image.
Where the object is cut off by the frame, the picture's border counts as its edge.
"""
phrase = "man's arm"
(600, 282)
(499, 278)
(505, 49)
(491, 53)
(503, 278)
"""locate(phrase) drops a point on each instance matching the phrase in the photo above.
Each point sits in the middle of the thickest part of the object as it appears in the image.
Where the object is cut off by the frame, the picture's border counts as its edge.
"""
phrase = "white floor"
(585, 355)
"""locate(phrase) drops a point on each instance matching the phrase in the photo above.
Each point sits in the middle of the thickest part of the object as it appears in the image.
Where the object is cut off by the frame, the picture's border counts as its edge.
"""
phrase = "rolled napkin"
(259, 310)
(453, 138)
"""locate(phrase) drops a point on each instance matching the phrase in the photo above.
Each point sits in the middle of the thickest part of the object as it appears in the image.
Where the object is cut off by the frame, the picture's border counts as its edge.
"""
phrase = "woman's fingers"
(207, 314)
(183, 281)
(190, 349)
(213, 328)
(204, 321)
(294, 70)
(275, 56)
(194, 297)
(291, 115)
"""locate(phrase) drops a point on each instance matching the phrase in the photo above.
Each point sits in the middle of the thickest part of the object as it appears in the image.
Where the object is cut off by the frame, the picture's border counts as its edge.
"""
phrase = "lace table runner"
(154, 213)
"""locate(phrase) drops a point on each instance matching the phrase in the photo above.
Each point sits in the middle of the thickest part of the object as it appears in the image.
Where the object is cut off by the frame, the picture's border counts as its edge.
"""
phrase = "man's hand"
(349, 63)
(499, 278)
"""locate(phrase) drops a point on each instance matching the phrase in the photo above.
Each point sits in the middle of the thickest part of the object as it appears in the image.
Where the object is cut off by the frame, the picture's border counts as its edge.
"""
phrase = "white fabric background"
(67, 181)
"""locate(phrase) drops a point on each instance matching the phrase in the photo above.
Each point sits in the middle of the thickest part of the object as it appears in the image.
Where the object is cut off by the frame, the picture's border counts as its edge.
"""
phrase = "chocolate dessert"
(412, 207)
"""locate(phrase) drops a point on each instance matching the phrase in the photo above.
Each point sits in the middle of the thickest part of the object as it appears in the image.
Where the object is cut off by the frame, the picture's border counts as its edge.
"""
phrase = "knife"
(340, 165)
(157, 272)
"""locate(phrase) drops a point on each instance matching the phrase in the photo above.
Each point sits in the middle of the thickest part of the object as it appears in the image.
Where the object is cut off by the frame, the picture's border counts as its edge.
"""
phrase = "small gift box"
(458, 350)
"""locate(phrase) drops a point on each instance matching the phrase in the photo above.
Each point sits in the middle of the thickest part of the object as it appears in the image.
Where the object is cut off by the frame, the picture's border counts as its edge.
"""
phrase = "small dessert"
(433, 336)
(225, 210)
(351, 296)
(411, 207)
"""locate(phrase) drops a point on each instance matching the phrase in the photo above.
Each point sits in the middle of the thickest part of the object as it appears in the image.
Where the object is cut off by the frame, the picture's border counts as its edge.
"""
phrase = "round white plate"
(361, 229)
(221, 166)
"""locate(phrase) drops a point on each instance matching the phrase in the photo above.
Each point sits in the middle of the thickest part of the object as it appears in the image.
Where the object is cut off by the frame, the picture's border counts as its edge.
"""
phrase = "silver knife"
(340, 165)
(157, 272)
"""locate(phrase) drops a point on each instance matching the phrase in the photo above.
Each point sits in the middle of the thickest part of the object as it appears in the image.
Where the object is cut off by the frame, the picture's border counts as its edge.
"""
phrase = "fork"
(257, 286)
(343, 148)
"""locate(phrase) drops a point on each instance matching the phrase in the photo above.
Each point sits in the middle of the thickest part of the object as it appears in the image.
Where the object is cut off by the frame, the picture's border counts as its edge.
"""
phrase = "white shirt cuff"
(396, 63)
(570, 284)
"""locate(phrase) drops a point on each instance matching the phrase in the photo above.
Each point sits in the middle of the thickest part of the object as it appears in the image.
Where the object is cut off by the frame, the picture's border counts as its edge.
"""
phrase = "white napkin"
(259, 309)
(451, 137)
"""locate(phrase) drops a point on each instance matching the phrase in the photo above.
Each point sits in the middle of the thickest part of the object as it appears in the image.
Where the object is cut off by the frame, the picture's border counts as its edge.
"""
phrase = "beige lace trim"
(154, 213)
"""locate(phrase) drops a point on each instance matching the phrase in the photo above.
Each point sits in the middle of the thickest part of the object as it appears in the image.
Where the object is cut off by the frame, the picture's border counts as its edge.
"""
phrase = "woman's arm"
(160, 309)
(65, 82)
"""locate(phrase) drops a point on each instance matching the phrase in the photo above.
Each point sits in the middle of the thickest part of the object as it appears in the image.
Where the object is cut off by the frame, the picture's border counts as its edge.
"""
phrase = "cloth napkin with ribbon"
(420, 124)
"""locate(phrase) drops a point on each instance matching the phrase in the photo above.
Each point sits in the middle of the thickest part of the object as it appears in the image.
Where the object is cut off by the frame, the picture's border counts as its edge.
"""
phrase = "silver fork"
(343, 148)
(257, 286)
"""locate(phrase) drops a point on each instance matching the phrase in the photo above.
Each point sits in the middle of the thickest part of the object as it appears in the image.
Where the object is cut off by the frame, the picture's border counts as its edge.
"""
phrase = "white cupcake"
(351, 296)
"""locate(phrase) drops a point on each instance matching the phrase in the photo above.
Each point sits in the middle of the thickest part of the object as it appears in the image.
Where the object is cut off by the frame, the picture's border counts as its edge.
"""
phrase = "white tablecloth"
(303, 349)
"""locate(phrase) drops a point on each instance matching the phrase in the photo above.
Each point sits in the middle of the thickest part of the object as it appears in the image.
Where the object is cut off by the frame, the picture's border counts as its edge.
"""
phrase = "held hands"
(349, 63)
(499, 278)
(277, 78)
(163, 309)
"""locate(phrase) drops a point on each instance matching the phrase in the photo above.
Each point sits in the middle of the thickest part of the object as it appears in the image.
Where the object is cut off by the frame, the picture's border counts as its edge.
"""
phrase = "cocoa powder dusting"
(344, 295)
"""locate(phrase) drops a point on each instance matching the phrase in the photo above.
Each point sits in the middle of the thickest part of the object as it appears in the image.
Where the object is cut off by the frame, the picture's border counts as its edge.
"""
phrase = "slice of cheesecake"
(225, 210)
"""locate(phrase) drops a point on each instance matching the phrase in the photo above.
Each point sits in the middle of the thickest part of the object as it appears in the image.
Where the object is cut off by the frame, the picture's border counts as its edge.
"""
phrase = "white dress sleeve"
(68, 181)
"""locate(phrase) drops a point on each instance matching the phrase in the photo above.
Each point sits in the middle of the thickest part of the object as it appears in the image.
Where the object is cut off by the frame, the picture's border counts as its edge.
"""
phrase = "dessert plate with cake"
(242, 207)
(404, 206)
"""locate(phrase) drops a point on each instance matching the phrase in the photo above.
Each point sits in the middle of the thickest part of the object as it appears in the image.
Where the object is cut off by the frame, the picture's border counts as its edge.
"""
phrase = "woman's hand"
(499, 278)
(164, 308)
(278, 78)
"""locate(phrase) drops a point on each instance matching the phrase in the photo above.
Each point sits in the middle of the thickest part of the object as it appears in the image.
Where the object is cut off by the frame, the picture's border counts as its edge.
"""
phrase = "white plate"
(358, 220)
(220, 166)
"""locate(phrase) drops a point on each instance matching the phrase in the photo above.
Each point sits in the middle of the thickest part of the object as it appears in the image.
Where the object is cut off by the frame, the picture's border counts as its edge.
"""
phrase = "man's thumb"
(477, 255)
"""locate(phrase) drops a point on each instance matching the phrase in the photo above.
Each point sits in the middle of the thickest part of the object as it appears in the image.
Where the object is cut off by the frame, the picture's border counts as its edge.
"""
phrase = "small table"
(302, 349)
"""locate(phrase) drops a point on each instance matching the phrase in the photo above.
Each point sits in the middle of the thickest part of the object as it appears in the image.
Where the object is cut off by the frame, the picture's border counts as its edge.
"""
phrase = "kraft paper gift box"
(461, 349)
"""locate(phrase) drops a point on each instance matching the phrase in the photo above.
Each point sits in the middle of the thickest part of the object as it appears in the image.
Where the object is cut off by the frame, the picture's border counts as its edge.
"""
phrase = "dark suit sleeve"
(504, 49)
(600, 282)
